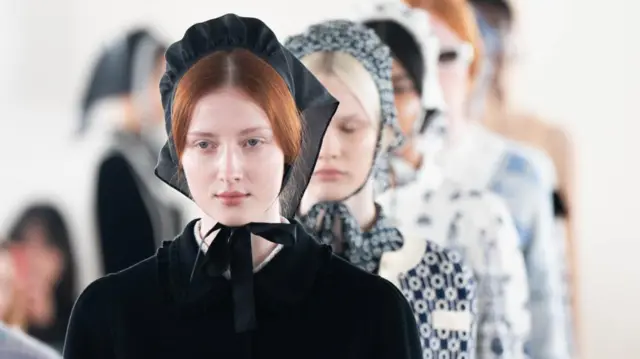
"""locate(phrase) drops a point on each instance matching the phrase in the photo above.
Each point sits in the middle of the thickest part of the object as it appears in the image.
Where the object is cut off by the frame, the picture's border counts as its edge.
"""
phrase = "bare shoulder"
(556, 139)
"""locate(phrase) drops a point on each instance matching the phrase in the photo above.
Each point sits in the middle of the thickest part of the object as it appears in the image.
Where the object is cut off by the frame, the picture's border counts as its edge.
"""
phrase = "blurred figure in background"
(13, 311)
(496, 19)
(339, 205)
(122, 112)
(521, 175)
(472, 222)
(14, 343)
(49, 277)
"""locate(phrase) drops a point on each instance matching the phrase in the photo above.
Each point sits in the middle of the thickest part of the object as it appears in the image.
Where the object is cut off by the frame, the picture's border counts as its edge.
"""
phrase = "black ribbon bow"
(231, 250)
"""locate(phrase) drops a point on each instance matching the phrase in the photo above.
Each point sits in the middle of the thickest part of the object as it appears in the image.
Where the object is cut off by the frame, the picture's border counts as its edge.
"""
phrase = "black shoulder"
(105, 294)
(394, 329)
(90, 326)
(114, 162)
(116, 176)
(97, 313)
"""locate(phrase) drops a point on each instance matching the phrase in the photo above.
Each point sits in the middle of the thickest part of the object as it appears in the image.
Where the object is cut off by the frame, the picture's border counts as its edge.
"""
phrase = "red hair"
(240, 69)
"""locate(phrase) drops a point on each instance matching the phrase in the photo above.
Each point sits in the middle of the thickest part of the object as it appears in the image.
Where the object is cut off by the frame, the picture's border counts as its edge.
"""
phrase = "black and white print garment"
(523, 178)
(477, 226)
(439, 282)
(471, 223)
(361, 248)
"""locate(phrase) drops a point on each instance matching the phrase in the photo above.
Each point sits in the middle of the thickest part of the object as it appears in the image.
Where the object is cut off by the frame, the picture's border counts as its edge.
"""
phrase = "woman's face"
(231, 160)
(453, 67)
(45, 265)
(7, 281)
(407, 99)
(348, 147)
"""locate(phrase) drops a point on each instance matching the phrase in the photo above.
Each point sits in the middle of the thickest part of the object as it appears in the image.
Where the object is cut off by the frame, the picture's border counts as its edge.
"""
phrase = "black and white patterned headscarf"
(363, 249)
(365, 46)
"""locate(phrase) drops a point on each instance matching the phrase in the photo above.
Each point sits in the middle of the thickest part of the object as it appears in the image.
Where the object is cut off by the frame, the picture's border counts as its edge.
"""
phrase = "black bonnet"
(227, 33)
(403, 47)
(113, 75)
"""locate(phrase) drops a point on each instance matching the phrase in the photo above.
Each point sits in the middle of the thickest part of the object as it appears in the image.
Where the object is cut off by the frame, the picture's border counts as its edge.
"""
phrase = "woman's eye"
(403, 86)
(203, 145)
(348, 129)
(253, 142)
(402, 89)
(448, 56)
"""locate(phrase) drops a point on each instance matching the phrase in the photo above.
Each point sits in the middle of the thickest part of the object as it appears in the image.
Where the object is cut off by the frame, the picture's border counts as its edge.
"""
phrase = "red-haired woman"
(246, 121)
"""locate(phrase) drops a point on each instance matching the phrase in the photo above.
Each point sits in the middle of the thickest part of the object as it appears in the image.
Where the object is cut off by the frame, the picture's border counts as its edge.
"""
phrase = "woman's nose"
(330, 145)
(230, 165)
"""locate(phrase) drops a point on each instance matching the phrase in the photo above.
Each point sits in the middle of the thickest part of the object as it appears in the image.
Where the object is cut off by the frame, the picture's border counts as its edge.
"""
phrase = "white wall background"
(580, 70)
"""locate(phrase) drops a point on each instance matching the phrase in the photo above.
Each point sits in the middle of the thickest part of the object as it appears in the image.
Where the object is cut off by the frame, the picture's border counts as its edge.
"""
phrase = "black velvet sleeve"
(89, 334)
(398, 335)
(125, 227)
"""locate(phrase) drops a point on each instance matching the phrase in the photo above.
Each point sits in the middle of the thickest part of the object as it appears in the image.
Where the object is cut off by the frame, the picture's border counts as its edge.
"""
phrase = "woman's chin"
(334, 194)
(234, 222)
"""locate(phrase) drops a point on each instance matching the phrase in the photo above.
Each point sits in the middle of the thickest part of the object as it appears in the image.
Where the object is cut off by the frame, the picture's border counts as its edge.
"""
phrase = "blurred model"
(521, 175)
(339, 206)
(49, 271)
(15, 344)
(122, 113)
(496, 20)
(473, 222)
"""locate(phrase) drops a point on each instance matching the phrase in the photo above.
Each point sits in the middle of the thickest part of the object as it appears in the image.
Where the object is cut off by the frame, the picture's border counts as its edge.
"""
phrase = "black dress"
(309, 304)
(132, 216)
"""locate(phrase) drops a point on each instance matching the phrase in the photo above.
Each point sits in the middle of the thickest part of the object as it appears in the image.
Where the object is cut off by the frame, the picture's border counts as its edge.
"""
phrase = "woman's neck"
(458, 124)
(362, 206)
(130, 122)
(260, 247)
(411, 155)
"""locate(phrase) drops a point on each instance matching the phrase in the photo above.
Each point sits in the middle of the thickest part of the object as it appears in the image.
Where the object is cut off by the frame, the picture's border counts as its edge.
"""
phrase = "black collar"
(285, 281)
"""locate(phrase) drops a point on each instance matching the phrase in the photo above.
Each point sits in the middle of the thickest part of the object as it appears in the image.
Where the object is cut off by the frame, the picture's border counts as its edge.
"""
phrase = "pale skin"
(231, 148)
(13, 304)
(7, 282)
(46, 265)
(348, 148)
(453, 73)
(133, 118)
(409, 109)
(501, 117)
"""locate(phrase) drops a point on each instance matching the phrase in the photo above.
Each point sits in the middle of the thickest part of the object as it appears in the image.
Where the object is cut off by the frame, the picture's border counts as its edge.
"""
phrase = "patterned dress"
(523, 177)
(477, 225)
(439, 287)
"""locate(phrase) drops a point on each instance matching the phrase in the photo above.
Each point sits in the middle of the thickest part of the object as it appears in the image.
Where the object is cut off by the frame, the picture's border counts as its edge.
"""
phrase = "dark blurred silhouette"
(50, 271)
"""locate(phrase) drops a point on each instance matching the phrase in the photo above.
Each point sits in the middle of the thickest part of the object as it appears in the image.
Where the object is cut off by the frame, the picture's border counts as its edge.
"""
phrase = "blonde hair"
(352, 74)
(357, 79)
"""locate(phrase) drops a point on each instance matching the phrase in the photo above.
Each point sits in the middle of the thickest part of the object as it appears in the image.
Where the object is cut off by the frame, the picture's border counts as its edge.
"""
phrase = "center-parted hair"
(242, 70)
